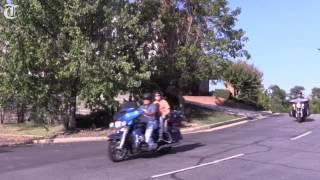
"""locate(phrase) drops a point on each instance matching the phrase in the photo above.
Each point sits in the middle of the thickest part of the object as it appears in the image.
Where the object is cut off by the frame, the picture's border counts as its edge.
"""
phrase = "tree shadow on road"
(175, 150)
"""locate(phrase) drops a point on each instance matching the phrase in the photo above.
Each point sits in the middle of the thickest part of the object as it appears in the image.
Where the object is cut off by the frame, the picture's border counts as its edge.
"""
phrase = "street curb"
(69, 140)
(214, 125)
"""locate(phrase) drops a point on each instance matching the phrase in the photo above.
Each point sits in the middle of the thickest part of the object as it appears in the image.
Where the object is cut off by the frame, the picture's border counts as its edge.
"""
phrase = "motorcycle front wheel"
(116, 155)
(300, 119)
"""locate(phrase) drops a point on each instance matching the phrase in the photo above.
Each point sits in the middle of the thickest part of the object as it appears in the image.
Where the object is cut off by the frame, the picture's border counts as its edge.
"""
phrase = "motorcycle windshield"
(299, 100)
(130, 116)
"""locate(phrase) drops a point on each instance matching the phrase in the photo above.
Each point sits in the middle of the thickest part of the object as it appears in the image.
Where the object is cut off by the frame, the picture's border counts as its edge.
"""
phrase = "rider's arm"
(165, 108)
(151, 111)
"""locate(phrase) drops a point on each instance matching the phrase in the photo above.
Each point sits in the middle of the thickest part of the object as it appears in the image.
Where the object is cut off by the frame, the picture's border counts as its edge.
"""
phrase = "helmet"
(147, 96)
(157, 93)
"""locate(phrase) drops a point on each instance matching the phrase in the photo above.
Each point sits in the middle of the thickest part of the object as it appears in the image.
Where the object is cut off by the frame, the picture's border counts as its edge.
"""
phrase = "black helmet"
(157, 93)
(147, 96)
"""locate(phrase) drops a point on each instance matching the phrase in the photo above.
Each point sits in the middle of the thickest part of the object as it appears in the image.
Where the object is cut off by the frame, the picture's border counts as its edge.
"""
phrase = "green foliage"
(222, 93)
(295, 90)
(275, 102)
(196, 43)
(246, 79)
(57, 52)
(315, 106)
(316, 93)
(279, 93)
(315, 102)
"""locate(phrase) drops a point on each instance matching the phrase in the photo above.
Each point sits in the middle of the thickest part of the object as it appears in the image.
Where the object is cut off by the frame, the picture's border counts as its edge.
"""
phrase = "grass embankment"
(30, 129)
(206, 116)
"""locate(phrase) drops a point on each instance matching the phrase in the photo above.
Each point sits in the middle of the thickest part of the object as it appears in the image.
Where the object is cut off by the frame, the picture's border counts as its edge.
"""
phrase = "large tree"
(92, 49)
(59, 50)
(196, 41)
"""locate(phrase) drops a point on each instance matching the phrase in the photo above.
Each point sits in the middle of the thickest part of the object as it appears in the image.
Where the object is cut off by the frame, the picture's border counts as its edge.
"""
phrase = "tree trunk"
(2, 116)
(72, 112)
(20, 113)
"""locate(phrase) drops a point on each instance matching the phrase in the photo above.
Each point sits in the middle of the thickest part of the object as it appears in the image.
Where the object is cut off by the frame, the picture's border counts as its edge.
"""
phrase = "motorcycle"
(127, 138)
(300, 109)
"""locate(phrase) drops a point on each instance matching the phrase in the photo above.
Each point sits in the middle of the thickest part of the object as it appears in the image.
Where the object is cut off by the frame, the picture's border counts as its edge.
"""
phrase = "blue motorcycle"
(128, 139)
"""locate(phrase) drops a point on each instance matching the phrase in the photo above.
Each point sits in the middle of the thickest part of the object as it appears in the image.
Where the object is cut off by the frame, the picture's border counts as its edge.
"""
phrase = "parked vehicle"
(128, 136)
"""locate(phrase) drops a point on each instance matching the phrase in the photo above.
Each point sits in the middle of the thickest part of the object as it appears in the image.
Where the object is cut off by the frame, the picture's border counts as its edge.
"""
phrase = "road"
(273, 148)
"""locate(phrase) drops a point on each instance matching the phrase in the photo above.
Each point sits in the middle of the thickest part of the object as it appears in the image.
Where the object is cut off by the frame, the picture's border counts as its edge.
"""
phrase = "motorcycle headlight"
(117, 124)
(123, 123)
(111, 125)
(298, 105)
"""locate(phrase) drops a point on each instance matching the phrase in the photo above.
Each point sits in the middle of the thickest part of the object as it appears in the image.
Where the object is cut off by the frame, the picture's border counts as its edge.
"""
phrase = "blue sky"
(284, 36)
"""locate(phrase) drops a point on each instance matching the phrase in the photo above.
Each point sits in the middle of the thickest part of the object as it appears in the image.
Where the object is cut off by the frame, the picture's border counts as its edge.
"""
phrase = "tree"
(60, 51)
(246, 80)
(295, 90)
(315, 102)
(196, 41)
(277, 92)
(88, 49)
(316, 93)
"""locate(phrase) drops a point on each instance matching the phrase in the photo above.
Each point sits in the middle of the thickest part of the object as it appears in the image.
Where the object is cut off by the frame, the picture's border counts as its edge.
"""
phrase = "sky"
(284, 37)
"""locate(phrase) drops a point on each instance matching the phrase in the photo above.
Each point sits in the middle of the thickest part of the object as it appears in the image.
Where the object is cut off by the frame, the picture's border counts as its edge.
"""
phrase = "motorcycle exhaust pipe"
(168, 145)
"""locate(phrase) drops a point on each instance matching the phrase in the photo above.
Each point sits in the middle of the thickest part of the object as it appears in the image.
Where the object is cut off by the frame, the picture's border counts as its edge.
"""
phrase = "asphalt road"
(270, 149)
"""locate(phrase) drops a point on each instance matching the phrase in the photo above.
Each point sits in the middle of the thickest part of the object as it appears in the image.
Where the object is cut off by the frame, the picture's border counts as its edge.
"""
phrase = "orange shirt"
(164, 107)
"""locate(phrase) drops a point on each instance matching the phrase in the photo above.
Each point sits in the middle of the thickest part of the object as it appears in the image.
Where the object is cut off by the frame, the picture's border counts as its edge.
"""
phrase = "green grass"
(203, 116)
(30, 129)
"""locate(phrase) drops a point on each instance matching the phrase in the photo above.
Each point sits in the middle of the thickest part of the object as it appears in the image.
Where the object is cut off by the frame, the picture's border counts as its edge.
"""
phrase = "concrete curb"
(69, 140)
(214, 125)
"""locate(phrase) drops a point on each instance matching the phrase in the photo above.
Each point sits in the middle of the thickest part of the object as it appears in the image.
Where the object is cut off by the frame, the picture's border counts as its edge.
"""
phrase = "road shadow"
(4, 151)
(309, 120)
(185, 148)
(175, 150)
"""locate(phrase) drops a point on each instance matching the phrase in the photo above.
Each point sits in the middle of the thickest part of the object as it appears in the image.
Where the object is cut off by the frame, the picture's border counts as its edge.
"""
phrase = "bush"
(222, 93)
(246, 79)
(315, 106)
(94, 120)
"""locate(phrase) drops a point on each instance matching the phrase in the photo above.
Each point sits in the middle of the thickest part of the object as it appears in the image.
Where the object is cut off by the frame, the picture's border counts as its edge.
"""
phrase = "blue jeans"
(151, 126)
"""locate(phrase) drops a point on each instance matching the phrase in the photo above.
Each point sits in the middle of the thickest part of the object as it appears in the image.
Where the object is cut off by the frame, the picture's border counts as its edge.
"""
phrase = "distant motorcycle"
(300, 109)
(128, 136)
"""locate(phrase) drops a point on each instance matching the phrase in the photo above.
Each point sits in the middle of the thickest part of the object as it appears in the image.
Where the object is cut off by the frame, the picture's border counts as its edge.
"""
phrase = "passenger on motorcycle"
(164, 111)
(149, 112)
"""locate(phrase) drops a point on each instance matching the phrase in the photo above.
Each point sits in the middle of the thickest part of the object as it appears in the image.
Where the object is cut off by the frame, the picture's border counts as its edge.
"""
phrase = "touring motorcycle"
(300, 109)
(128, 139)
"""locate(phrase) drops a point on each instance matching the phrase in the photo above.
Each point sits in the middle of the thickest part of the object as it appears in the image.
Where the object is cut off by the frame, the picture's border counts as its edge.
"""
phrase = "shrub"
(315, 106)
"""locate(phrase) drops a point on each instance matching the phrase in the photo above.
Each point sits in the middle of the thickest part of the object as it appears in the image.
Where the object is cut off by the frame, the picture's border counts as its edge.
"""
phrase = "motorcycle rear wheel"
(116, 155)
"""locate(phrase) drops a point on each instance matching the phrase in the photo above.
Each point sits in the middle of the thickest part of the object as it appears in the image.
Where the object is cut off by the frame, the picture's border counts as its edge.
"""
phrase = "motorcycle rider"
(300, 97)
(164, 111)
(149, 111)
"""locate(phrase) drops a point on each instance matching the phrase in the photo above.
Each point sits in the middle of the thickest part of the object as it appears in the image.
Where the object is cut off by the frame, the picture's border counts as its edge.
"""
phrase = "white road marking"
(198, 166)
(302, 135)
